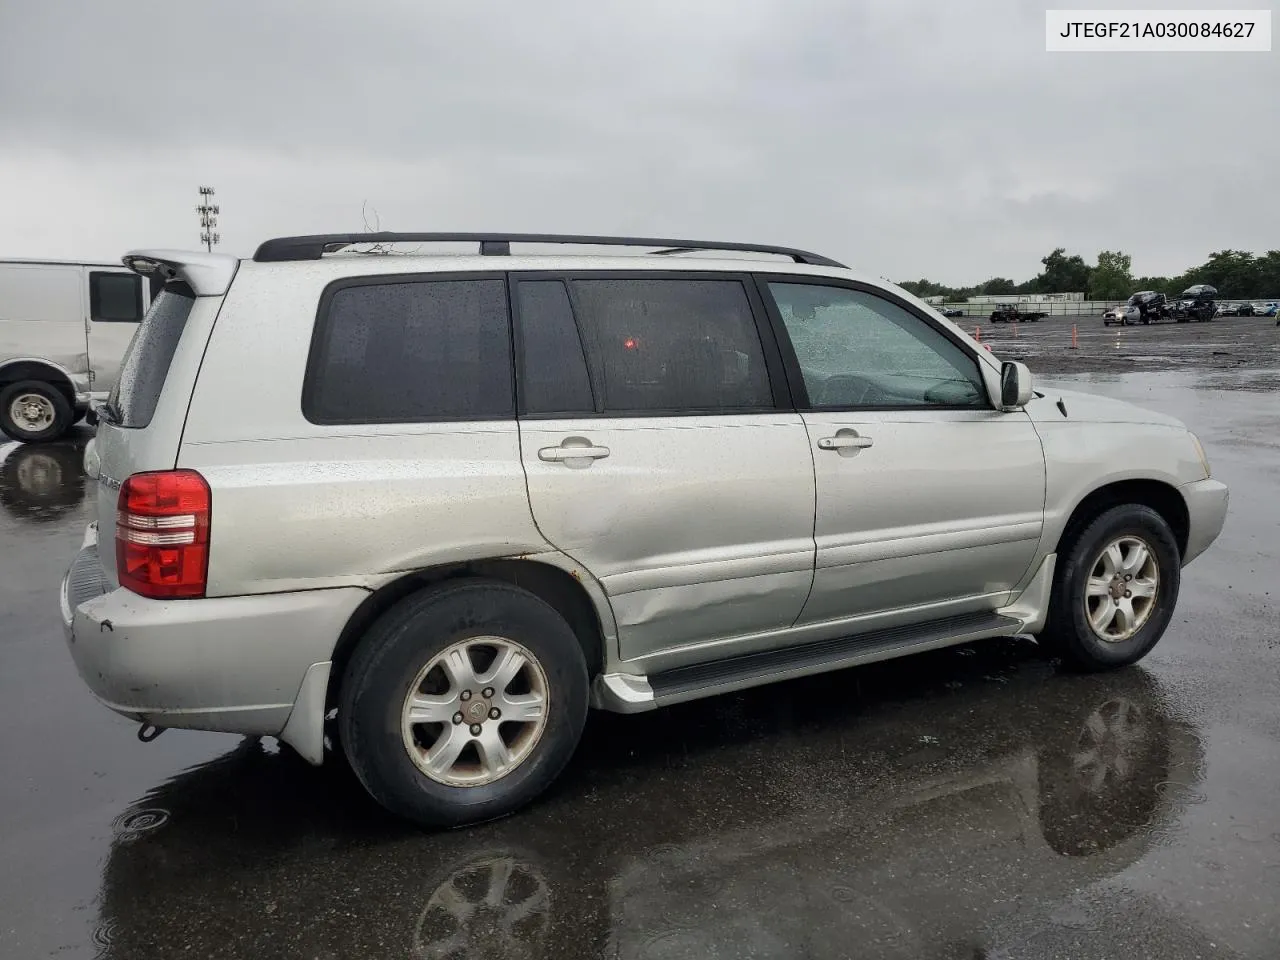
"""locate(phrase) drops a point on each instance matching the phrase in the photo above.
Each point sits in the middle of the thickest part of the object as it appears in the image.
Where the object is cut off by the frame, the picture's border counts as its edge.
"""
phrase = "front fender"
(1082, 458)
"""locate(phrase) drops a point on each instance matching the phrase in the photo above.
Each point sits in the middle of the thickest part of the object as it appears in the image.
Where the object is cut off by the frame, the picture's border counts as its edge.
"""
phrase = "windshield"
(146, 363)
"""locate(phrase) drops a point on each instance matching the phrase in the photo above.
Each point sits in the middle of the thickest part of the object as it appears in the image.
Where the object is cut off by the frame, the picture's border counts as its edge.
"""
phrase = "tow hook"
(149, 731)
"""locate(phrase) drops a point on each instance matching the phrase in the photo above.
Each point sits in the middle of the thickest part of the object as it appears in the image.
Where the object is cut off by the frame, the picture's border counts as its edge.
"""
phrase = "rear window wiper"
(108, 413)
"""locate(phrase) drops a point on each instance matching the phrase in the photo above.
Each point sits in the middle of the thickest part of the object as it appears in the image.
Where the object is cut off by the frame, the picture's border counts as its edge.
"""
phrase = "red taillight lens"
(162, 534)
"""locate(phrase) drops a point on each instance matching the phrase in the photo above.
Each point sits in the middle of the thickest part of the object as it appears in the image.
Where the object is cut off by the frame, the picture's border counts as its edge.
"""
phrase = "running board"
(628, 693)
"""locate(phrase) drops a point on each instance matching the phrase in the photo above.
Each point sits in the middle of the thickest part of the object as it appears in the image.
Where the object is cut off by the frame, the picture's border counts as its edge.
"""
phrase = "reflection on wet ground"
(41, 483)
(891, 809)
(975, 802)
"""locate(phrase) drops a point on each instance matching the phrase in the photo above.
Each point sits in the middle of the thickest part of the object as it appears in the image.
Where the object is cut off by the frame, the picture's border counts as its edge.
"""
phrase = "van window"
(115, 297)
(672, 345)
(146, 363)
(410, 351)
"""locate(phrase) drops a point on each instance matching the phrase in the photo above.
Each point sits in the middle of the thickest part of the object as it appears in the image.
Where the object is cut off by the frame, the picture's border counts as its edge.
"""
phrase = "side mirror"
(1015, 385)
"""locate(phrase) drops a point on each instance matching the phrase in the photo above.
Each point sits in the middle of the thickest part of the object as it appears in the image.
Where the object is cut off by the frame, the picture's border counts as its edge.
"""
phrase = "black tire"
(1068, 630)
(402, 642)
(63, 414)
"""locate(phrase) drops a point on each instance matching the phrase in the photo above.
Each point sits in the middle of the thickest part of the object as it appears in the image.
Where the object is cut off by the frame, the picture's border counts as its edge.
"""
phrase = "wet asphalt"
(974, 802)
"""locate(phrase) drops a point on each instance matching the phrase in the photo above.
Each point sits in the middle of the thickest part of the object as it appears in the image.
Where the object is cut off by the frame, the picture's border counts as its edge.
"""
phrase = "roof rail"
(314, 247)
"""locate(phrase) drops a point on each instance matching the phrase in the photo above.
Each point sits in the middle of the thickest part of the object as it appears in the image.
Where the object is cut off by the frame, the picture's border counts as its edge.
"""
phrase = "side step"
(749, 670)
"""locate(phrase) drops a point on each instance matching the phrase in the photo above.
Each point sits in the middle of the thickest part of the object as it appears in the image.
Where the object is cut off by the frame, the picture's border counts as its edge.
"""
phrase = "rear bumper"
(233, 664)
(1207, 510)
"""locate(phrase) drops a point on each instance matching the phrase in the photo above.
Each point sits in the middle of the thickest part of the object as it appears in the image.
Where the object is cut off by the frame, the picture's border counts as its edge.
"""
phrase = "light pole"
(208, 218)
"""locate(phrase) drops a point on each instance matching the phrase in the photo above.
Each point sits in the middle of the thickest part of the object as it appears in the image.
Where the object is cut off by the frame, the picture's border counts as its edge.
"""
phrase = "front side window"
(672, 345)
(858, 350)
(409, 351)
(115, 297)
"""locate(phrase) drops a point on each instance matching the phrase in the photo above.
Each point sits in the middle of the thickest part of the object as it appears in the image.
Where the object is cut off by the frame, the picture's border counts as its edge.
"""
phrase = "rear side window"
(411, 351)
(146, 363)
(115, 297)
(672, 345)
(553, 368)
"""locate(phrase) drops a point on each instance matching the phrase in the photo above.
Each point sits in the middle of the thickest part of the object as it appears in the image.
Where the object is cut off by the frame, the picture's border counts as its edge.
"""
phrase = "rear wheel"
(463, 703)
(1115, 589)
(34, 411)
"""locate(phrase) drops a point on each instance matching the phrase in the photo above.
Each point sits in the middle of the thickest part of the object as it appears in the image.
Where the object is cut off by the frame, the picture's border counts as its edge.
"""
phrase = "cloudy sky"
(933, 138)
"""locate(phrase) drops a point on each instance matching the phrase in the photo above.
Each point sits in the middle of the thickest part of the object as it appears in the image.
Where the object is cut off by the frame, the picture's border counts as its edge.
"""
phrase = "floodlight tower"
(208, 211)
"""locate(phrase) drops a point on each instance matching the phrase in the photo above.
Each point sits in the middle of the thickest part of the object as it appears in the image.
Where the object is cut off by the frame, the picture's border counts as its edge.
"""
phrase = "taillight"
(162, 534)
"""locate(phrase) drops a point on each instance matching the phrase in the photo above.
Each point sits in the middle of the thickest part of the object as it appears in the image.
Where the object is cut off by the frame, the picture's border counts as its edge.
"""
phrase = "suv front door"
(659, 457)
(930, 501)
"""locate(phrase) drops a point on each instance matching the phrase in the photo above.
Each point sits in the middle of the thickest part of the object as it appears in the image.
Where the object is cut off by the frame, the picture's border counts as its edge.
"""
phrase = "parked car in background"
(1197, 302)
(1267, 309)
(1244, 310)
(1119, 316)
(1150, 305)
(467, 497)
(64, 328)
(953, 312)
(1145, 306)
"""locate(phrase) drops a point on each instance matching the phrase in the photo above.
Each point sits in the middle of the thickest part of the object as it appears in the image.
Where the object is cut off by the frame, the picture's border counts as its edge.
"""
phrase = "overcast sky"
(933, 138)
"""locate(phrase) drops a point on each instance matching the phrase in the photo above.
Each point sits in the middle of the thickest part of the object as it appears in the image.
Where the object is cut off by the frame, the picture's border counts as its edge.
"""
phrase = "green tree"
(1112, 278)
(1237, 274)
(997, 285)
(1268, 275)
(1158, 284)
(1063, 274)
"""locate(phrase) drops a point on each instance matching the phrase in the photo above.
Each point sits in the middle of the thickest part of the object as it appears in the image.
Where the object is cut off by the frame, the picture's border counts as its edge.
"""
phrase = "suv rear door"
(140, 425)
(661, 455)
(930, 501)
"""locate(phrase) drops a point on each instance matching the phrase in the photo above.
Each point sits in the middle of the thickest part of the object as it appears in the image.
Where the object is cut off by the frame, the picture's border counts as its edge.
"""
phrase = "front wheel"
(34, 411)
(463, 703)
(1115, 589)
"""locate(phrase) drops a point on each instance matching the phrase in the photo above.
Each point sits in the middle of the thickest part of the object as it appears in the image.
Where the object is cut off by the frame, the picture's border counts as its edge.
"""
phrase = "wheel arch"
(1159, 496)
(37, 368)
(567, 591)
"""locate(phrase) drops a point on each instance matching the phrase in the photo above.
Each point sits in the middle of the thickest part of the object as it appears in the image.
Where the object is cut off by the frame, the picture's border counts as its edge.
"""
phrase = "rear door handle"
(845, 442)
(585, 451)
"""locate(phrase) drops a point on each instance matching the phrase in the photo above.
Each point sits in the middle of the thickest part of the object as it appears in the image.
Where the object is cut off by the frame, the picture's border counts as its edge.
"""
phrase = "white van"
(64, 328)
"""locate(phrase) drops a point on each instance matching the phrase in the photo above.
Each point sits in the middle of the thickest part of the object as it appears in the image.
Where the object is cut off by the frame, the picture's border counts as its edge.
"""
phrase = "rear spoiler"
(207, 274)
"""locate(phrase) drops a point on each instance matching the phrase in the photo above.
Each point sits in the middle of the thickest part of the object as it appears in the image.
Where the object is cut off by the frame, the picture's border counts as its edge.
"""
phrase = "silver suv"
(427, 510)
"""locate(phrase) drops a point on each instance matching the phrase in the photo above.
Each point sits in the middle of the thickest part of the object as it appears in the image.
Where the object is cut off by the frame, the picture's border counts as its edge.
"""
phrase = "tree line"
(1237, 274)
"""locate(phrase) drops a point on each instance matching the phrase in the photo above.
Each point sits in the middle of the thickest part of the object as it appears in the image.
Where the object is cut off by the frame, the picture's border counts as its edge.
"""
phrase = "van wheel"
(1115, 589)
(34, 411)
(463, 702)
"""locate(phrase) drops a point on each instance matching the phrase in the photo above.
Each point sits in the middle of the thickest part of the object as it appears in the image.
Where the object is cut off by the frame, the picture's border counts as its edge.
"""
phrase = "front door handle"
(574, 448)
(845, 441)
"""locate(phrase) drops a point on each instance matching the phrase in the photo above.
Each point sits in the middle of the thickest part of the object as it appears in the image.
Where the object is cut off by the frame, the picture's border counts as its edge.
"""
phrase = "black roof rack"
(284, 249)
